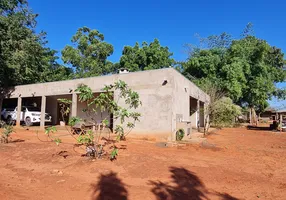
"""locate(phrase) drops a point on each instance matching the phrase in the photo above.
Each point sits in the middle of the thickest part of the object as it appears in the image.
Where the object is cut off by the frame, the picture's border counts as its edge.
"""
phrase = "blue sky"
(174, 23)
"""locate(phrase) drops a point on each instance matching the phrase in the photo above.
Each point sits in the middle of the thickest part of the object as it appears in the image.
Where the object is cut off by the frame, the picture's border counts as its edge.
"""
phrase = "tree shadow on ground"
(258, 128)
(225, 196)
(185, 185)
(17, 140)
(109, 187)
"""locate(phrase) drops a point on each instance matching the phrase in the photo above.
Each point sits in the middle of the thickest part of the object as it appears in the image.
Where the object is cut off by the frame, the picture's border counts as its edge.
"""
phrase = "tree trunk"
(1, 103)
(254, 116)
(206, 125)
(250, 116)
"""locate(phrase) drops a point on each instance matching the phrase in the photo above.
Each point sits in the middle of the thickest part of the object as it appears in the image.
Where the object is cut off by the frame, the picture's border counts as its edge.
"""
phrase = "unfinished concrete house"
(169, 100)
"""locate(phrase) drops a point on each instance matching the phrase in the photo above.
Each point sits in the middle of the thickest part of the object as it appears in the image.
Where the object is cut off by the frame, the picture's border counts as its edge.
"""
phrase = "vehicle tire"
(28, 121)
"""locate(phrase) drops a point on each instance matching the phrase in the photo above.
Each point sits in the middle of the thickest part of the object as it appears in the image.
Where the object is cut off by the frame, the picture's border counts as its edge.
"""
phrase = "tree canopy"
(19, 44)
(89, 54)
(54, 71)
(247, 69)
(23, 55)
(146, 57)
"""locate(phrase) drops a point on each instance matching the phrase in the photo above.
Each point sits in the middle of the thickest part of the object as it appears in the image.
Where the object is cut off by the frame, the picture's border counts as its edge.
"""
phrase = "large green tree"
(247, 69)
(146, 57)
(89, 54)
(52, 70)
(261, 66)
(23, 55)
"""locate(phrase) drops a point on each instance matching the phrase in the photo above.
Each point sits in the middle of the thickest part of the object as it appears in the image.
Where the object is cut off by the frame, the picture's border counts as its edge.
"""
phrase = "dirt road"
(233, 164)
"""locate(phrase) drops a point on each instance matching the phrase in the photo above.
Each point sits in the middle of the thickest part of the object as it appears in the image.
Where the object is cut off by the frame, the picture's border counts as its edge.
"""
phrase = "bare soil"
(233, 164)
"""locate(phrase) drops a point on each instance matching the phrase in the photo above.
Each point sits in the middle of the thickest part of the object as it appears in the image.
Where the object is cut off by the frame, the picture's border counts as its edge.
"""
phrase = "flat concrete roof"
(96, 83)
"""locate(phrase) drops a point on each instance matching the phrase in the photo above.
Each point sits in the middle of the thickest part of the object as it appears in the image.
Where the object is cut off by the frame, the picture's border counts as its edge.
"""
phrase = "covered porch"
(50, 105)
(196, 112)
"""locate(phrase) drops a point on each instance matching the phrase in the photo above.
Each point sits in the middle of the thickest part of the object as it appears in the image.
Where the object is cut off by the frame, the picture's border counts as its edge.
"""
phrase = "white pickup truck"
(29, 115)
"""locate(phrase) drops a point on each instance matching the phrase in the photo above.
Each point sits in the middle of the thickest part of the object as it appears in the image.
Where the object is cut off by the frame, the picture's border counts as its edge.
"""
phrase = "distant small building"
(272, 114)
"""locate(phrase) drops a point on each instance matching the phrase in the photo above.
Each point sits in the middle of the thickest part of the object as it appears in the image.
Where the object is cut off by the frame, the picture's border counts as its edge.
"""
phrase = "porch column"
(74, 105)
(281, 119)
(19, 106)
(206, 114)
(202, 114)
(198, 114)
(43, 112)
(250, 116)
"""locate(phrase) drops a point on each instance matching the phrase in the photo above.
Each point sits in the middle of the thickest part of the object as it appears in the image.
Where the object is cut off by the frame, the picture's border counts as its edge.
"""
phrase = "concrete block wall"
(183, 90)
(98, 117)
(156, 98)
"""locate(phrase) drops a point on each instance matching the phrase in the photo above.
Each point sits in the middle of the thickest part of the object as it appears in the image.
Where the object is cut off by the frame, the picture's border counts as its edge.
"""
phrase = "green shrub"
(5, 134)
(224, 113)
(180, 134)
(64, 108)
(86, 139)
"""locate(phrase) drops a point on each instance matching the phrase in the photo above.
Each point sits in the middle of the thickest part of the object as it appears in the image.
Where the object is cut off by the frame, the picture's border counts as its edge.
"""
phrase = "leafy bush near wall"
(180, 134)
(225, 112)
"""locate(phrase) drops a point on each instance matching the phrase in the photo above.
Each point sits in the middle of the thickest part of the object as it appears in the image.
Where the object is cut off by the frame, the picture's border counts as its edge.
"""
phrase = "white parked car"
(29, 115)
(283, 126)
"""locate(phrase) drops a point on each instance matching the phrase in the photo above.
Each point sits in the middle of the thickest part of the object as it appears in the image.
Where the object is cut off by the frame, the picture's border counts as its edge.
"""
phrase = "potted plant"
(64, 110)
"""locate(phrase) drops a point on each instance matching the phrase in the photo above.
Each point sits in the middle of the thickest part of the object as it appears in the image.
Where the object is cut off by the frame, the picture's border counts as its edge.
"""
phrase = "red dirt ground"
(233, 164)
